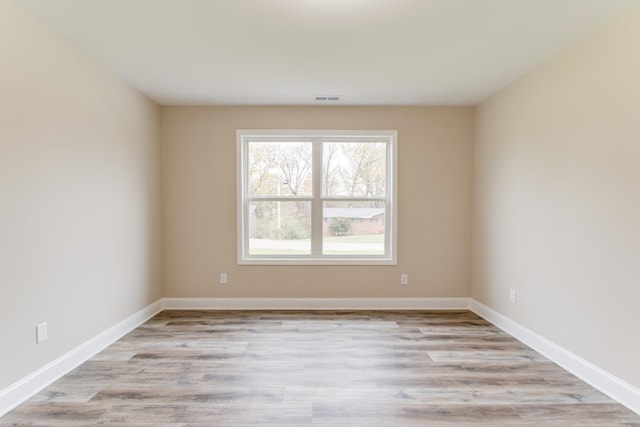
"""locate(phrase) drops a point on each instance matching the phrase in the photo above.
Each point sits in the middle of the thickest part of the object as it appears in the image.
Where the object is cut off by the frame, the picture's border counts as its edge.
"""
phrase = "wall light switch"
(223, 278)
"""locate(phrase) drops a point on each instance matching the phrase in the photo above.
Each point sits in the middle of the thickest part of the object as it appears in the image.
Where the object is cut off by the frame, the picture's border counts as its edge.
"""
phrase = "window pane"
(354, 169)
(280, 168)
(353, 228)
(279, 228)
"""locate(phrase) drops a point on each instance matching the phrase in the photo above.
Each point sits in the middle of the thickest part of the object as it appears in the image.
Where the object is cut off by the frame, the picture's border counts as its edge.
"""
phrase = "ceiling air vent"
(325, 98)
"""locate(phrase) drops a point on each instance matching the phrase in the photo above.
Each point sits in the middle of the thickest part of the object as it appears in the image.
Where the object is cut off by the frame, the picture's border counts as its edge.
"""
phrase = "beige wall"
(557, 200)
(199, 204)
(79, 197)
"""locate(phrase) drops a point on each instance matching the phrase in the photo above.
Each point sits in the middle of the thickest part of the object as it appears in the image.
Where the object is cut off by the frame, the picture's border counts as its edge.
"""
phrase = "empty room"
(320, 212)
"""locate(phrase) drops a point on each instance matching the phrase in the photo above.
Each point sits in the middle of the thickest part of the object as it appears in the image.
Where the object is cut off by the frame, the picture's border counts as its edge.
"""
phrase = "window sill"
(317, 261)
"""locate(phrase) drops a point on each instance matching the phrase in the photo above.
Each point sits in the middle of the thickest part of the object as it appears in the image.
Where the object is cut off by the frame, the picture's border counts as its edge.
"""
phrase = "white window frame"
(390, 137)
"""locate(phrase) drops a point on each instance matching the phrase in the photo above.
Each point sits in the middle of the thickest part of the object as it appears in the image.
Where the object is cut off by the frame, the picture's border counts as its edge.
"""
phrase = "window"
(316, 197)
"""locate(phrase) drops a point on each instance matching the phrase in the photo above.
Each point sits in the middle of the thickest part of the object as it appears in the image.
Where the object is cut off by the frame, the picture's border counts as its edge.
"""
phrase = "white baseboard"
(27, 387)
(316, 303)
(613, 387)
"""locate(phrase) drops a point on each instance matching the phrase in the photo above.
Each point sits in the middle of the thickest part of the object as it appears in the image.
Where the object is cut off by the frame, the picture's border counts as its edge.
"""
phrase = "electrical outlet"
(223, 278)
(404, 279)
(512, 296)
(41, 332)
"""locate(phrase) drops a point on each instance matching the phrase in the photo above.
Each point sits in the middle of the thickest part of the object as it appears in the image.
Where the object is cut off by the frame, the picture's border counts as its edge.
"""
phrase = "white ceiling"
(285, 52)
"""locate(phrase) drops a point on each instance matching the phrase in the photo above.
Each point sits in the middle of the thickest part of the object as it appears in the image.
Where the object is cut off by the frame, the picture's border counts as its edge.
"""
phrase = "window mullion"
(316, 204)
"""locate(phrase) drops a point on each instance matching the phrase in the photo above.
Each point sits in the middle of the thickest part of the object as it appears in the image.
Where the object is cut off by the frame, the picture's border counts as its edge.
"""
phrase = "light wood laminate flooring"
(319, 368)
